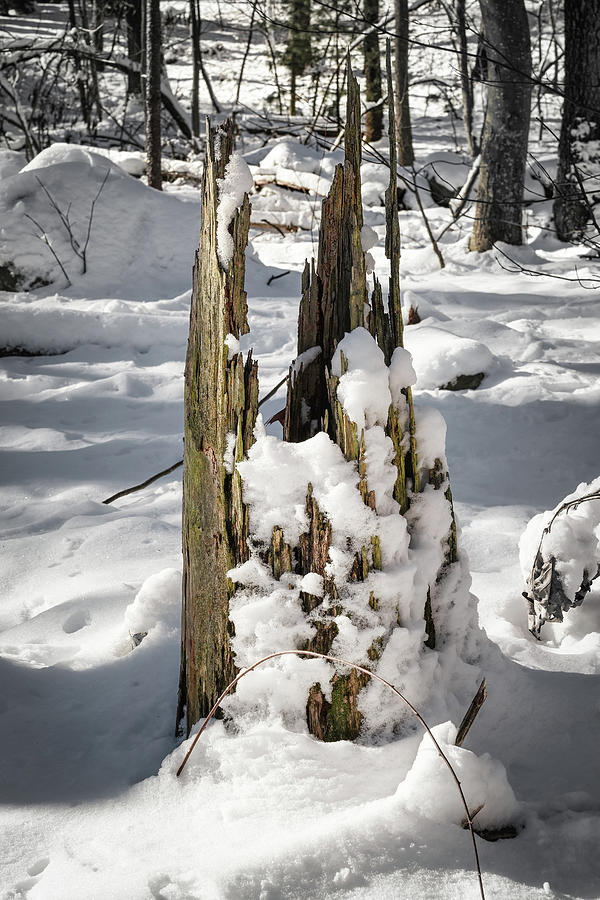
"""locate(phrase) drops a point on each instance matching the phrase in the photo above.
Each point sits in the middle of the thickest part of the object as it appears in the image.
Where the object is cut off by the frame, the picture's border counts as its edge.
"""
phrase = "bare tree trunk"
(465, 79)
(504, 148)
(580, 128)
(93, 90)
(195, 38)
(213, 99)
(134, 44)
(153, 95)
(221, 399)
(406, 154)
(298, 53)
(374, 117)
(81, 87)
(98, 26)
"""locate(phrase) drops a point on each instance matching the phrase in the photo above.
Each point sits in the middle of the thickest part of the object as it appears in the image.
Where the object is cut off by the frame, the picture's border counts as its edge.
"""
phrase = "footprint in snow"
(76, 621)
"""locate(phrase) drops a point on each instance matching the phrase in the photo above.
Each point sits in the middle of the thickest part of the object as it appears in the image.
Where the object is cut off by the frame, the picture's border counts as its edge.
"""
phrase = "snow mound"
(11, 162)
(439, 357)
(430, 791)
(158, 602)
(292, 155)
(140, 242)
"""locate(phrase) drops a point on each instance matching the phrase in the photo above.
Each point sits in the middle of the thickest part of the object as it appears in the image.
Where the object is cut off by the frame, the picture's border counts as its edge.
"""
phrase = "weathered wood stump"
(335, 300)
(220, 412)
(221, 401)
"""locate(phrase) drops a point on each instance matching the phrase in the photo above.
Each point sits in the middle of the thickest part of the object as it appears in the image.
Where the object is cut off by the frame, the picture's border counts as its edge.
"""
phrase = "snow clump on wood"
(237, 182)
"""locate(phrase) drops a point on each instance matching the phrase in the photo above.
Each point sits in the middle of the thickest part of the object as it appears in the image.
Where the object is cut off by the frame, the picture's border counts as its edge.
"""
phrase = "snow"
(440, 356)
(145, 237)
(267, 613)
(236, 182)
(157, 602)
(91, 806)
(428, 791)
(233, 346)
(364, 389)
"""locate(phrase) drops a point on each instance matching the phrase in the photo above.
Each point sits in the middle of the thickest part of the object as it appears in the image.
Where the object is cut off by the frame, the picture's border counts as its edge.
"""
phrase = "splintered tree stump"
(221, 402)
(335, 300)
(334, 296)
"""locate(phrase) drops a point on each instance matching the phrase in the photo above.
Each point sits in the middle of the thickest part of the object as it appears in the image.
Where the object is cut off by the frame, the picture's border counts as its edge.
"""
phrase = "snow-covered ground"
(90, 805)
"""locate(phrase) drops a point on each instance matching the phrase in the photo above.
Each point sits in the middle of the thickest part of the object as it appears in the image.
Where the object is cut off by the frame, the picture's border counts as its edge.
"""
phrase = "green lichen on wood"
(344, 719)
(376, 553)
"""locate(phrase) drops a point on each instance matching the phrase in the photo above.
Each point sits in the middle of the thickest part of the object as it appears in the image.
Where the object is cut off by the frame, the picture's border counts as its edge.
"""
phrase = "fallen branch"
(334, 659)
(277, 226)
(146, 483)
(274, 278)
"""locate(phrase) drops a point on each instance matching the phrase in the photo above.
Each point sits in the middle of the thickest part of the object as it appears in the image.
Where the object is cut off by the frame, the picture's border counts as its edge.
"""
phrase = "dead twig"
(593, 285)
(46, 240)
(274, 278)
(470, 716)
(344, 662)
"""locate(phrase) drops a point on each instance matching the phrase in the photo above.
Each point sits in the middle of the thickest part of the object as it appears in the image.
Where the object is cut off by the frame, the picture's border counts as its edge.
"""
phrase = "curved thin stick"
(345, 662)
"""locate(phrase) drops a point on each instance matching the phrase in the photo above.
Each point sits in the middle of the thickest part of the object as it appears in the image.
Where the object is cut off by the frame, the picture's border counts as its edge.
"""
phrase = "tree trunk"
(580, 128)
(299, 51)
(504, 147)
(221, 402)
(406, 154)
(466, 83)
(153, 94)
(81, 85)
(93, 89)
(195, 39)
(98, 26)
(374, 117)
(134, 44)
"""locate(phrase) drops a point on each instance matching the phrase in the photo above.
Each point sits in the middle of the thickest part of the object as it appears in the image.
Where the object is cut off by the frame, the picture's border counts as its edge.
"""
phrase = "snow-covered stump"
(221, 402)
(349, 399)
